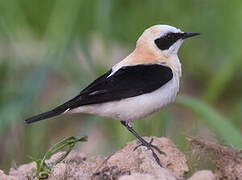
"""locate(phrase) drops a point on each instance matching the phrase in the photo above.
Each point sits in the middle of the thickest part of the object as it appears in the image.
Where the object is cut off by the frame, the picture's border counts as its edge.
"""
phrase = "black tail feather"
(55, 112)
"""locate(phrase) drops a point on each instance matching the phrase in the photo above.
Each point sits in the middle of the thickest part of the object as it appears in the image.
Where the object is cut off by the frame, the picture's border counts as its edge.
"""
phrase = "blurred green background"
(50, 50)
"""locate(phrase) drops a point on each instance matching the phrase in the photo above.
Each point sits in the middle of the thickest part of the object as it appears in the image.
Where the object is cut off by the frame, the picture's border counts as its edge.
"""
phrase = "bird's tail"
(54, 112)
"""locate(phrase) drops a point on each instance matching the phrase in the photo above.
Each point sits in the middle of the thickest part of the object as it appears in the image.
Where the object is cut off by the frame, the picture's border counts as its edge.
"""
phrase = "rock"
(125, 164)
(6, 177)
(161, 173)
(112, 172)
(23, 171)
(141, 160)
(59, 172)
(202, 175)
(136, 176)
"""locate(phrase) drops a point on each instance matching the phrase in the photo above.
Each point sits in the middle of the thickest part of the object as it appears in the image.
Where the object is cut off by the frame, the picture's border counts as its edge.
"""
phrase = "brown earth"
(127, 164)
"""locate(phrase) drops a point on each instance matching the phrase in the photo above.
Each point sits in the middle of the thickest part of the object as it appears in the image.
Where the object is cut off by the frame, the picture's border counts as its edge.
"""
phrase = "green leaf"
(43, 169)
(70, 141)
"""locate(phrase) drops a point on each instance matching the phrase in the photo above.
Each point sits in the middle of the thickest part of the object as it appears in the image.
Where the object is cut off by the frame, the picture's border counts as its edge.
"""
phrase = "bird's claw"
(149, 146)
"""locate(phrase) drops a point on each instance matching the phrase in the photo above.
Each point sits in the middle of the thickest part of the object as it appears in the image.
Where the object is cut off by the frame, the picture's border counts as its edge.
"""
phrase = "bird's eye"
(165, 42)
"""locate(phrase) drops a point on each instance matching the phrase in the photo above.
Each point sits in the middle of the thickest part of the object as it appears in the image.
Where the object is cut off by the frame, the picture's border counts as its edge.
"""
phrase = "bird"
(141, 84)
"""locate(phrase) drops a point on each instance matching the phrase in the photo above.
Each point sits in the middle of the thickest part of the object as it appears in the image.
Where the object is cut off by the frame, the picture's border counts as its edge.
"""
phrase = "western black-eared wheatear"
(141, 84)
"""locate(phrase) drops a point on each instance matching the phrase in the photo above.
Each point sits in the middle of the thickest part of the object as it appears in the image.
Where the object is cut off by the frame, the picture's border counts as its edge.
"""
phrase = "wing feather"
(128, 81)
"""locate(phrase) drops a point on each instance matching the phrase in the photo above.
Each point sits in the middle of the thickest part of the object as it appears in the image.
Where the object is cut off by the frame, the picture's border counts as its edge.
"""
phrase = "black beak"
(189, 34)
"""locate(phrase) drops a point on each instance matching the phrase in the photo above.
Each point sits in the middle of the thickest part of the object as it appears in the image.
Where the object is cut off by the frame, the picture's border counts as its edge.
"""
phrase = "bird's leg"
(144, 142)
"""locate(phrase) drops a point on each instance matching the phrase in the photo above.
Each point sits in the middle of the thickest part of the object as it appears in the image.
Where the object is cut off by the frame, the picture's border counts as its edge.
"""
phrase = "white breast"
(137, 107)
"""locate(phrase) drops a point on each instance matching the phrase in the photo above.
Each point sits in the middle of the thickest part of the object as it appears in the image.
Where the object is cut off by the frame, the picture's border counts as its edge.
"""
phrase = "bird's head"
(162, 40)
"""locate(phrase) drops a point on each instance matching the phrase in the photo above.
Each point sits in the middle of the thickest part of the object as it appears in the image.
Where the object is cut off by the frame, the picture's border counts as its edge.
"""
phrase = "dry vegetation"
(228, 161)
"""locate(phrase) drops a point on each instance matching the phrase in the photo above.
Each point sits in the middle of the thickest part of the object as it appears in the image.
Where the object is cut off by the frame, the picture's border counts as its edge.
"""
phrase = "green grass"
(43, 169)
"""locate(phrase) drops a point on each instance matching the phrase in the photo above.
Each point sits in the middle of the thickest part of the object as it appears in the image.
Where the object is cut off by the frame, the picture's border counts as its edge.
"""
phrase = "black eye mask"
(165, 42)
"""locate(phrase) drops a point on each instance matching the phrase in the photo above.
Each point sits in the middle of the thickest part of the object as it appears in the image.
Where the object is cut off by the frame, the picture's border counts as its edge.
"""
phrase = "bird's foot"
(151, 147)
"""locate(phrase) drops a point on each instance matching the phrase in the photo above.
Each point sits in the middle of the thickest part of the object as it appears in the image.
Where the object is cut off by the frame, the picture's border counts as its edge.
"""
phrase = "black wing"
(128, 81)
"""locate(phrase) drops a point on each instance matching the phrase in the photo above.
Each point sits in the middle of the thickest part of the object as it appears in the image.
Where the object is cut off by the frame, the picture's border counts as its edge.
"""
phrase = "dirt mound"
(127, 164)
